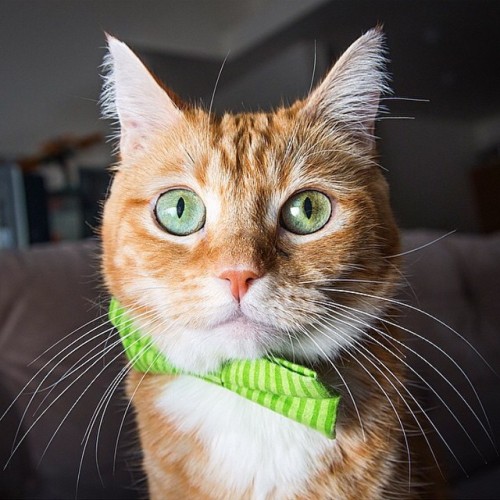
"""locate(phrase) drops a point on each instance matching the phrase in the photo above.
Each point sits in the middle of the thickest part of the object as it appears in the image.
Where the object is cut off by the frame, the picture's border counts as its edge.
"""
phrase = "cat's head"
(243, 235)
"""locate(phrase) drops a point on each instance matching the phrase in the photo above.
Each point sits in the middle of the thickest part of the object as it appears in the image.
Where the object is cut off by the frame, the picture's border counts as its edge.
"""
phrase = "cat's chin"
(238, 324)
(203, 350)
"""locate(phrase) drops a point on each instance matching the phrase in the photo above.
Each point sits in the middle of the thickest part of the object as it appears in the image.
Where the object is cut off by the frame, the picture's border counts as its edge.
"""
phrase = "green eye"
(306, 212)
(180, 212)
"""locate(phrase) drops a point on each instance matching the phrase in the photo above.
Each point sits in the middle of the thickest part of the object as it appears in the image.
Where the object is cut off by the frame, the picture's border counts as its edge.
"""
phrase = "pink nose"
(240, 281)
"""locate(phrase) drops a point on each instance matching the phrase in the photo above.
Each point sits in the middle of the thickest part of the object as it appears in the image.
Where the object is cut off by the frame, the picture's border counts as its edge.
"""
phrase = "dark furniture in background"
(94, 185)
(486, 184)
(37, 208)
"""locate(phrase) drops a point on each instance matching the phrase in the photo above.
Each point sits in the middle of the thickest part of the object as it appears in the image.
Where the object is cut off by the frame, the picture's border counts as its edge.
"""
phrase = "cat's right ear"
(133, 98)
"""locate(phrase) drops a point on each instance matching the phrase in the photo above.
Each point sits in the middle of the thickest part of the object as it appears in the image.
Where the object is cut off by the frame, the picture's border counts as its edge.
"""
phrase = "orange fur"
(244, 167)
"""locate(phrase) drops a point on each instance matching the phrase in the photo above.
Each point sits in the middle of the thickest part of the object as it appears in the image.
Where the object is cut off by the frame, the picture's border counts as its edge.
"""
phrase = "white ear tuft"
(132, 97)
(349, 95)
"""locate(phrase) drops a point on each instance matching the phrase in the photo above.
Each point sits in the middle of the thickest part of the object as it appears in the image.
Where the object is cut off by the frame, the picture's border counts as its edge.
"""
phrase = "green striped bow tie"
(279, 385)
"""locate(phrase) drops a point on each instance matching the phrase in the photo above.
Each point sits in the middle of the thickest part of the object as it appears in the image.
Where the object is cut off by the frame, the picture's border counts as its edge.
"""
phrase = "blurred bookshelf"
(49, 197)
(14, 230)
(33, 212)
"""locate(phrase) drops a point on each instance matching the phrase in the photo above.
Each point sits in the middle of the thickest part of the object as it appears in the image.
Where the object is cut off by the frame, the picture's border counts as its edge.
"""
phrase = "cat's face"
(245, 235)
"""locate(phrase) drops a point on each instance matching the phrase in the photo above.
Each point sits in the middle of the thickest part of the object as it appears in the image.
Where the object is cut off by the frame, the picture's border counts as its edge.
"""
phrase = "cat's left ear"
(133, 96)
(349, 96)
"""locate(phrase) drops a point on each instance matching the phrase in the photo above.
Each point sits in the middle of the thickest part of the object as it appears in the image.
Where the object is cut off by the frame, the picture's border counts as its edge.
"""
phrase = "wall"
(429, 162)
(487, 132)
(51, 51)
(49, 68)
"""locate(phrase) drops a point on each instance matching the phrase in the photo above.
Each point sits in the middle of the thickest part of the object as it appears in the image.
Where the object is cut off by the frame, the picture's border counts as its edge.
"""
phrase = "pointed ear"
(349, 95)
(132, 96)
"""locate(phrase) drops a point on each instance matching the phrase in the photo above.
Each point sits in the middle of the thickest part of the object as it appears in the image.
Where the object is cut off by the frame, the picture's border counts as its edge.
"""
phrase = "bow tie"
(286, 388)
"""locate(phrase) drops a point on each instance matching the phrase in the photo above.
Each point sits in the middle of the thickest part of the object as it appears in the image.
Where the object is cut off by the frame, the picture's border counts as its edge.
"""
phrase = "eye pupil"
(180, 212)
(308, 207)
(180, 207)
(306, 212)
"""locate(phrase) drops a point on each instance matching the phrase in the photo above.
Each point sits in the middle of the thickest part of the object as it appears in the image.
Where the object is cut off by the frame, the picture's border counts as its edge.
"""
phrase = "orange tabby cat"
(250, 235)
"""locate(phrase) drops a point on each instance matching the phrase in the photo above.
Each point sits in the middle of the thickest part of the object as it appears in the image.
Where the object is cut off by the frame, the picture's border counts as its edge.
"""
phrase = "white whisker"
(306, 333)
(389, 322)
(401, 360)
(425, 245)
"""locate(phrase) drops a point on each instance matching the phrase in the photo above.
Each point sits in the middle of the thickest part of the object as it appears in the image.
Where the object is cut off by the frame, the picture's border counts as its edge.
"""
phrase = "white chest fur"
(250, 447)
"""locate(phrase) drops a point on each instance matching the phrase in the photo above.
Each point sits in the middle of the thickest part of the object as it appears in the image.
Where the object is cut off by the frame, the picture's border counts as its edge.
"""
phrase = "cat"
(254, 236)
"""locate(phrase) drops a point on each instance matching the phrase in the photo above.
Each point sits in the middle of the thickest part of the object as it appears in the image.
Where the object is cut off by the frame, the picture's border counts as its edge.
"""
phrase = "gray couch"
(48, 292)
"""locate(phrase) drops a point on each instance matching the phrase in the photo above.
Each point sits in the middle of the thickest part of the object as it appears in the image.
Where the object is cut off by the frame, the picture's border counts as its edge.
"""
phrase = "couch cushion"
(457, 280)
(46, 293)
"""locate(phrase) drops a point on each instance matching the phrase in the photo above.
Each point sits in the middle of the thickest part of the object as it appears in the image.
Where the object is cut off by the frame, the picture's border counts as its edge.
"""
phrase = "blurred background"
(441, 150)
(439, 143)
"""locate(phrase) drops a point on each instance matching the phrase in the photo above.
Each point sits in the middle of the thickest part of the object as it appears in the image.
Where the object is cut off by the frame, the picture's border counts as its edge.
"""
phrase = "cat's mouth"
(205, 349)
(240, 328)
(239, 323)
